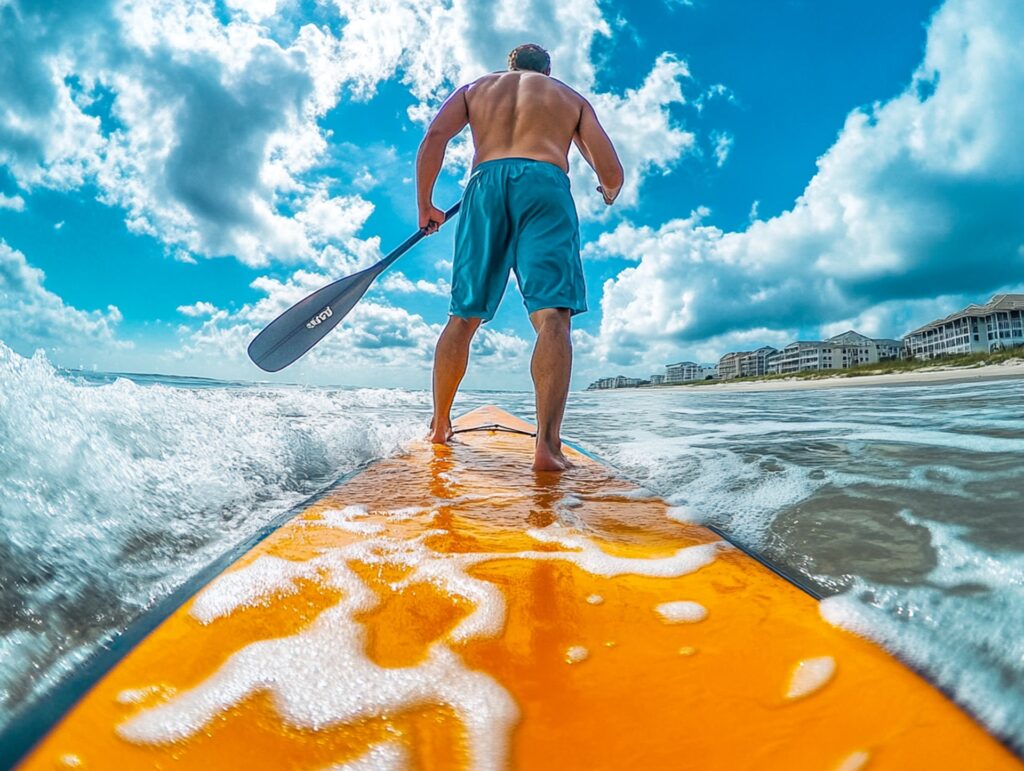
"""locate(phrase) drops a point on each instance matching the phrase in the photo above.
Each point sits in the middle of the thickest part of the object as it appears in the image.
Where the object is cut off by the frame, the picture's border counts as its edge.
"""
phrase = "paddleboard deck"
(449, 608)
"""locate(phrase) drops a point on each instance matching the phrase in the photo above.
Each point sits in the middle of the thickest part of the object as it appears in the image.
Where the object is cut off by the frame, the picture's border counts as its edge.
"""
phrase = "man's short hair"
(529, 56)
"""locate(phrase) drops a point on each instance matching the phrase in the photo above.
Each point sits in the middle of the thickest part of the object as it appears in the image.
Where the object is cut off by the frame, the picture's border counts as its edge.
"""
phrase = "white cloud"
(498, 347)
(198, 309)
(919, 198)
(647, 139)
(397, 281)
(400, 283)
(12, 202)
(213, 138)
(722, 147)
(257, 10)
(33, 317)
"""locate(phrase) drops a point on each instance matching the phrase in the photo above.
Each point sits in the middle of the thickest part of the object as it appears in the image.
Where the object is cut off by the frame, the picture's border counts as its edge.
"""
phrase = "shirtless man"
(517, 214)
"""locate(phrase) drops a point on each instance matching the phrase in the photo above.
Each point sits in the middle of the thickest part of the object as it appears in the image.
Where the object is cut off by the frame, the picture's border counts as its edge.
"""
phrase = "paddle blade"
(303, 325)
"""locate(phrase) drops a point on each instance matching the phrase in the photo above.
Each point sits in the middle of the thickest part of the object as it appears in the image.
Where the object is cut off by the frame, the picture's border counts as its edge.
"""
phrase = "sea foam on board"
(321, 676)
(682, 612)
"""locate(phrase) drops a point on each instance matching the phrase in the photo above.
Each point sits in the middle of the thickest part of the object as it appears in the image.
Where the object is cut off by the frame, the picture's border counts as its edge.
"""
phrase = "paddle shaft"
(412, 240)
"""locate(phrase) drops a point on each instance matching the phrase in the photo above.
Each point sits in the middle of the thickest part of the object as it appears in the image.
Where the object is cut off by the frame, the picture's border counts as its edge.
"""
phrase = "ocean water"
(902, 504)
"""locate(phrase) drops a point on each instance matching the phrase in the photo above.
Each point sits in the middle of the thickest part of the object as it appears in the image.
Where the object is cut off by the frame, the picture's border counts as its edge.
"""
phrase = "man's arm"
(449, 121)
(598, 151)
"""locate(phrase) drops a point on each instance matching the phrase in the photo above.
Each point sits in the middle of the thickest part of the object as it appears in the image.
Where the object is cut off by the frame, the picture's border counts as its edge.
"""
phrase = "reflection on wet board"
(452, 609)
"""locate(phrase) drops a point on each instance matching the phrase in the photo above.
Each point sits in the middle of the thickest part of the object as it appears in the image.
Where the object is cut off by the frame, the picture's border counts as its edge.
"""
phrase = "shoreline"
(926, 376)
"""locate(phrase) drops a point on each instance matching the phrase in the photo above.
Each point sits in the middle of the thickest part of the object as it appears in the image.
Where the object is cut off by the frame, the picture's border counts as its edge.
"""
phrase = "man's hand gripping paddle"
(306, 323)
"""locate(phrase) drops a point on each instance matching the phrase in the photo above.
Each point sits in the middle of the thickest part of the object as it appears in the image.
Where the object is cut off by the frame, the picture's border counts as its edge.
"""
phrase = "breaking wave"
(114, 490)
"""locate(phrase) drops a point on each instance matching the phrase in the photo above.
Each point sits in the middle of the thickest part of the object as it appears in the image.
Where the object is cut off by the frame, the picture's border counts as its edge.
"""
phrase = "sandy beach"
(1009, 369)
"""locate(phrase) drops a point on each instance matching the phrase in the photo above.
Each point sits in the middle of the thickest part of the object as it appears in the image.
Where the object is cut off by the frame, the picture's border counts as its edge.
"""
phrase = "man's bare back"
(522, 114)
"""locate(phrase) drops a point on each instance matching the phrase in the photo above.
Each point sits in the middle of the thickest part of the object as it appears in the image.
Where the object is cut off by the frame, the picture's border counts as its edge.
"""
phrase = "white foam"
(487, 618)
(138, 695)
(247, 586)
(595, 599)
(810, 675)
(408, 512)
(386, 756)
(854, 761)
(682, 612)
(322, 677)
(575, 654)
(588, 556)
(687, 515)
(348, 519)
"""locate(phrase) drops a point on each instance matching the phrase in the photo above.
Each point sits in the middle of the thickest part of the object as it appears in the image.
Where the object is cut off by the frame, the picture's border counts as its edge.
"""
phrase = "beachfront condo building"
(854, 349)
(682, 372)
(805, 355)
(997, 324)
(619, 381)
(708, 372)
(746, 363)
(850, 349)
(755, 363)
(657, 379)
(730, 365)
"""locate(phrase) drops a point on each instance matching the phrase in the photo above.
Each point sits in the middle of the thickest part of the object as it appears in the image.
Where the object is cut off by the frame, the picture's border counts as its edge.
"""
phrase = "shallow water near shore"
(904, 503)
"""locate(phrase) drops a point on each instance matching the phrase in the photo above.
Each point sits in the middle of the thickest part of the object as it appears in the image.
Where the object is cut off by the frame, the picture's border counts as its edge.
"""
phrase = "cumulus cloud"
(722, 147)
(198, 309)
(919, 198)
(498, 347)
(209, 136)
(33, 317)
(12, 202)
(639, 122)
(400, 283)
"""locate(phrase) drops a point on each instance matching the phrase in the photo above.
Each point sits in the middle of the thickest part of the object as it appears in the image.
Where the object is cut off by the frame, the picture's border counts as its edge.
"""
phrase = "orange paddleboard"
(451, 609)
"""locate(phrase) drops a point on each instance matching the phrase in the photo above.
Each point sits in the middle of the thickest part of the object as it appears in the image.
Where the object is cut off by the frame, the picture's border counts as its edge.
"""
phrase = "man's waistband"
(517, 161)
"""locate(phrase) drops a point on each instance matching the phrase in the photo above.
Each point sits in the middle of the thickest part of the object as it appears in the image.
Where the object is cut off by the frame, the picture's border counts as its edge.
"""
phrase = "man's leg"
(551, 367)
(450, 359)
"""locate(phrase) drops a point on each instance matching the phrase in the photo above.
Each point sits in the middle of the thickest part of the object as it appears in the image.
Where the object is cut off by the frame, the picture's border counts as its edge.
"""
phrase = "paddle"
(306, 323)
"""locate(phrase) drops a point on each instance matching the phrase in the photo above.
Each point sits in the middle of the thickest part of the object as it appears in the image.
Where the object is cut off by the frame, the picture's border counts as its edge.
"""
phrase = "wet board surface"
(452, 609)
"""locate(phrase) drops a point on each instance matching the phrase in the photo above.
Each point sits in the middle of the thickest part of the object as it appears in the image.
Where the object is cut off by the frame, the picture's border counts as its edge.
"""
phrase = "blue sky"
(174, 174)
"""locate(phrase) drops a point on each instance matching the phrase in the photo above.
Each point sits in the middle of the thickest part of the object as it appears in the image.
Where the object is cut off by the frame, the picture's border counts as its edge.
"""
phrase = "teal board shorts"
(517, 215)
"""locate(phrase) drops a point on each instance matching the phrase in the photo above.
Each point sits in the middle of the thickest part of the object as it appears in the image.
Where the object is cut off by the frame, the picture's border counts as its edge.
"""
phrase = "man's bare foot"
(547, 458)
(440, 431)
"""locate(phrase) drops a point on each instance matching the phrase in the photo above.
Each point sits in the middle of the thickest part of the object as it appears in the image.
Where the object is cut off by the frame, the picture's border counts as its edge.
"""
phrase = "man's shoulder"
(492, 77)
(488, 78)
(569, 90)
